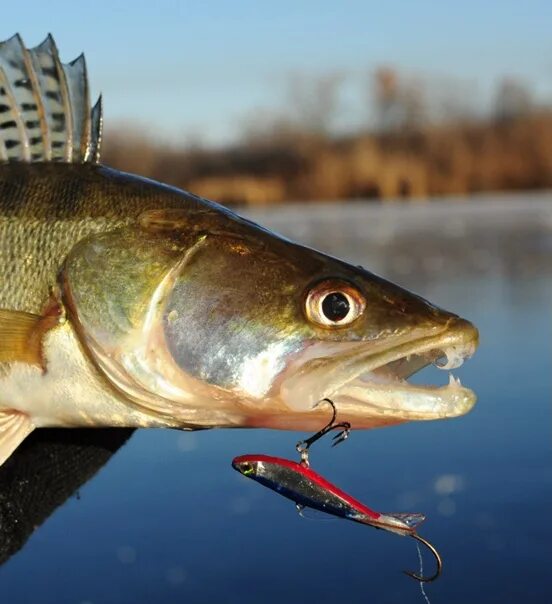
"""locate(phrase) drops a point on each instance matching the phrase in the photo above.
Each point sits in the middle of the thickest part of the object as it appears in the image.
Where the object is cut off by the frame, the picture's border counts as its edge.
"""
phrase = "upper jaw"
(369, 389)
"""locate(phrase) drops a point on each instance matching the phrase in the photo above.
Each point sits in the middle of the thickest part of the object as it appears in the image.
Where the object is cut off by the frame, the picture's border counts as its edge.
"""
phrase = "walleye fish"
(126, 302)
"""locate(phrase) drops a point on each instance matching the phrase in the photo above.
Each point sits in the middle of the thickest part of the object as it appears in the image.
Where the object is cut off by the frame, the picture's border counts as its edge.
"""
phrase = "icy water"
(168, 520)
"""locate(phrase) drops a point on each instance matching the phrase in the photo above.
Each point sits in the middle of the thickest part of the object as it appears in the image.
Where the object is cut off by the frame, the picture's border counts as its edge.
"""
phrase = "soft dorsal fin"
(45, 110)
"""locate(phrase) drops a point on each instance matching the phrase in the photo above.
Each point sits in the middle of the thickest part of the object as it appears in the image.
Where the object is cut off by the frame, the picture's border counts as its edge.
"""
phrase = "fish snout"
(458, 344)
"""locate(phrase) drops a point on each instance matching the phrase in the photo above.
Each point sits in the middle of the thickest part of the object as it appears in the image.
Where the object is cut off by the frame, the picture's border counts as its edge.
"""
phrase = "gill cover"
(115, 287)
(178, 304)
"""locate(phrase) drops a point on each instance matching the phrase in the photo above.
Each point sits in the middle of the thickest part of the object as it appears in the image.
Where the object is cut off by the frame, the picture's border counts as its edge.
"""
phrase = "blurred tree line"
(421, 143)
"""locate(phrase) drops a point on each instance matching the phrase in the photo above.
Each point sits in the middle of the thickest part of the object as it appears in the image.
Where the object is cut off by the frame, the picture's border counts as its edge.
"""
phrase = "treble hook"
(437, 557)
(303, 446)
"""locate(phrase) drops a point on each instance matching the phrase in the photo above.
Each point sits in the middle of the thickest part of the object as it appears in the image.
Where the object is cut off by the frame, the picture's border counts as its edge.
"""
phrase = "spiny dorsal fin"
(44, 106)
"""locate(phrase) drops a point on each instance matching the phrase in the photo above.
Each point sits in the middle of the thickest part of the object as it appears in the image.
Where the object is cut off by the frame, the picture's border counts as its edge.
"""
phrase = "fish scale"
(45, 209)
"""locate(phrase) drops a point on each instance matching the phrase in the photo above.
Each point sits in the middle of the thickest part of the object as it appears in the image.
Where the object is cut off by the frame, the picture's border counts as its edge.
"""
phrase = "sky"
(193, 71)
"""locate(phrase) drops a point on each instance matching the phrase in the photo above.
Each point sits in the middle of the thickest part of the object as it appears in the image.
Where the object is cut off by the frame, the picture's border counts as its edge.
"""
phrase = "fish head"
(214, 321)
(247, 465)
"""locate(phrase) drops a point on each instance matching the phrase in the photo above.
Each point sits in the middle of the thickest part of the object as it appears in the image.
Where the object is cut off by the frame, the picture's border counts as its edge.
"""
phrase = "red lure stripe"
(311, 475)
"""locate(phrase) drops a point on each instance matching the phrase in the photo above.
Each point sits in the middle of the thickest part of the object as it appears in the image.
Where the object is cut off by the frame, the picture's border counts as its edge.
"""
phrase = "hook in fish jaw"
(437, 557)
(303, 446)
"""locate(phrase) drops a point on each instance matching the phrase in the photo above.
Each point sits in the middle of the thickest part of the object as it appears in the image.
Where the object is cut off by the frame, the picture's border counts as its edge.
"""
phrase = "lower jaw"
(383, 410)
(314, 421)
(406, 402)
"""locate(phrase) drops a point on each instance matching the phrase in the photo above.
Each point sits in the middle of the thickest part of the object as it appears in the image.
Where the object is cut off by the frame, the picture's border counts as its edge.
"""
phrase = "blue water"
(168, 520)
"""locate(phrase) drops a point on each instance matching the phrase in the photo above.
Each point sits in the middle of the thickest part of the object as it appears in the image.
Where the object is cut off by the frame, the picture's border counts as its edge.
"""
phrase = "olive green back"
(46, 208)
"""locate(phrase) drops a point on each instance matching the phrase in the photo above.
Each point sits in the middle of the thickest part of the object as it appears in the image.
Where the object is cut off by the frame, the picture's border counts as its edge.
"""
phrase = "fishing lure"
(307, 489)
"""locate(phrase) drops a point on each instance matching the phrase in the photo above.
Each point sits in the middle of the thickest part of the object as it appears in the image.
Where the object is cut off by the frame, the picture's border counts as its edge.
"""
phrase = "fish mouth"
(370, 388)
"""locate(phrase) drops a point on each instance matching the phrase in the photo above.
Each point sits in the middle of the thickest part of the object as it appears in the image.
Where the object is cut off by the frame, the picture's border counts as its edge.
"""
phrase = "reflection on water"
(167, 519)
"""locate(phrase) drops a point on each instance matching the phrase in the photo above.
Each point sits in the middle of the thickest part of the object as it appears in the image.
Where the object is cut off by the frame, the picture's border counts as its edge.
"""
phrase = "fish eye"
(335, 306)
(334, 303)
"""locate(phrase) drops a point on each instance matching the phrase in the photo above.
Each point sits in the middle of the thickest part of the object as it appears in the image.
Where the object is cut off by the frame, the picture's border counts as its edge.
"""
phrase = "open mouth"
(366, 386)
(384, 386)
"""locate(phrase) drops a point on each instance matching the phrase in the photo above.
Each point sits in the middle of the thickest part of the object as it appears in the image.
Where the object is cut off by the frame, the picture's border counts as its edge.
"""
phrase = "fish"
(308, 489)
(125, 302)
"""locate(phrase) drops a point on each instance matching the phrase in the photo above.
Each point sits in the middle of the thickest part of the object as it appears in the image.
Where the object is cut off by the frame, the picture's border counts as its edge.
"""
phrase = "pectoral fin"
(14, 428)
(21, 336)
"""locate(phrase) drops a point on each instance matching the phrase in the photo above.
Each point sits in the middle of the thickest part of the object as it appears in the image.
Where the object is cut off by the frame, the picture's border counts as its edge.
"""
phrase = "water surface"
(168, 520)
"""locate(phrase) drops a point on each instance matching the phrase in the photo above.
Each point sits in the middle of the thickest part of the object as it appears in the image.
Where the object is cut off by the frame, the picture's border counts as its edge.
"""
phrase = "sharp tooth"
(452, 358)
(454, 381)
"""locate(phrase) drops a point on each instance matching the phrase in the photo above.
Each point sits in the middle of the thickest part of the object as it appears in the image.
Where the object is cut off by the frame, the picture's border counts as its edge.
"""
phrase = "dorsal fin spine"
(23, 152)
(93, 151)
(55, 98)
(5, 109)
(18, 71)
(75, 75)
(66, 102)
(24, 146)
(35, 87)
(85, 140)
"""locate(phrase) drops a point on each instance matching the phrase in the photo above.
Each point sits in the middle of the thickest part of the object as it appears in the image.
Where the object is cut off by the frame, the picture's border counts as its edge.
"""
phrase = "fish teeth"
(452, 358)
(454, 381)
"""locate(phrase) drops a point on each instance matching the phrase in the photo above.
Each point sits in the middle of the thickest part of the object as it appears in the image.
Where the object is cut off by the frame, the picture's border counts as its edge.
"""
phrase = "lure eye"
(334, 303)
(247, 469)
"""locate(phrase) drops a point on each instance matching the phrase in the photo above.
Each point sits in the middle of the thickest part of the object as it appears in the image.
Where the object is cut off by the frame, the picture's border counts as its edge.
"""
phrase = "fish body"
(47, 208)
(306, 488)
(126, 302)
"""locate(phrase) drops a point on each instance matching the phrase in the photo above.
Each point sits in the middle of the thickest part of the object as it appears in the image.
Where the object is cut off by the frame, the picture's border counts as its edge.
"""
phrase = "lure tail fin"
(402, 524)
(45, 110)
(411, 520)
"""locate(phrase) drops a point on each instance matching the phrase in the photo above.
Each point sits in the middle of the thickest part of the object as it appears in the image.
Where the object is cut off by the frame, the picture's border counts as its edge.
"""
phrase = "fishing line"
(422, 573)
